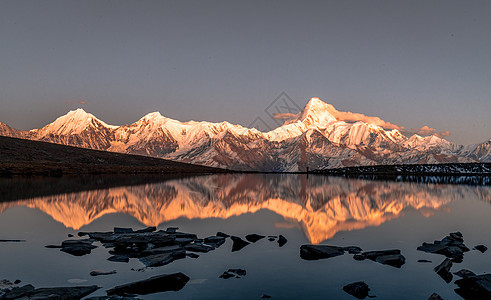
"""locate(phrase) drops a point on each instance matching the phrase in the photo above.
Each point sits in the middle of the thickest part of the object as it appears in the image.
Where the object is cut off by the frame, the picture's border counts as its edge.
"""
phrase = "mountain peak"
(317, 113)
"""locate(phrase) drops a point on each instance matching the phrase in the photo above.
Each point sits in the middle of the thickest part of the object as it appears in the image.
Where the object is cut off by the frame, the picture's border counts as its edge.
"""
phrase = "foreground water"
(374, 215)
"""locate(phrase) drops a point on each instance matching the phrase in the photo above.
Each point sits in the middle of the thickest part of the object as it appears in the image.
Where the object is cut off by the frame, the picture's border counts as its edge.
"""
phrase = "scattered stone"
(184, 241)
(464, 273)
(192, 255)
(221, 234)
(474, 287)
(424, 261)
(353, 249)
(171, 229)
(443, 270)
(238, 243)
(198, 248)
(233, 273)
(70, 235)
(148, 229)
(281, 241)
(359, 257)
(158, 260)
(76, 292)
(156, 284)
(77, 247)
(226, 275)
(215, 241)
(264, 296)
(12, 241)
(435, 296)
(17, 281)
(99, 272)
(357, 289)
(481, 248)
(314, 252)
(452, 246)
(271, 239)
(254, 237)
(391, 257)
(123, 230)
(119, 258)
(19, 292)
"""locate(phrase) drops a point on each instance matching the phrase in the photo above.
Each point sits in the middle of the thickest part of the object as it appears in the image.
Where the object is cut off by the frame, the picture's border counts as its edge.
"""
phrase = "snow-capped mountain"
(313, 139)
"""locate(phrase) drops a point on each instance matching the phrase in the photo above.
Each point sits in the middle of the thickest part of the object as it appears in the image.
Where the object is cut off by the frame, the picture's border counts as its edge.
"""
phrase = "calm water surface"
(374, 215)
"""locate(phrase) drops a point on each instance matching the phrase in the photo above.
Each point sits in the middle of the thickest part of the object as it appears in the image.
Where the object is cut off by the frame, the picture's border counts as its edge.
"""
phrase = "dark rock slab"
(78, 247)
(474, 287)
(435, 296)
(172, 229)
(233, 273)
(481, 248)
(391, 257)
(254, 237)
(101, 272)
(443, 270)
(158, 260)
(12, 241)
(156, 284)
(148, 229)
(119, 258)
(221, 234)
(315, 252)
(18, 292)
(76, 292)
(353, 249)
(70, 235)
(215, 241)
(192, 255)
(238, 243)
(282, 241)
(357, 289)
(424, 261)
(359, 257)
(464, 273)
(122, 230)
(199, 248)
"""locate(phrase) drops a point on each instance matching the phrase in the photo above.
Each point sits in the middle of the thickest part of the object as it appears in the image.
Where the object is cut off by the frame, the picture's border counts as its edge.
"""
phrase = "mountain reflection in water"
(321, 205)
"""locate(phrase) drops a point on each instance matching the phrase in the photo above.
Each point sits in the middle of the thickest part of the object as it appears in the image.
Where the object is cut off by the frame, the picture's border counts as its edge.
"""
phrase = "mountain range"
(313, 139)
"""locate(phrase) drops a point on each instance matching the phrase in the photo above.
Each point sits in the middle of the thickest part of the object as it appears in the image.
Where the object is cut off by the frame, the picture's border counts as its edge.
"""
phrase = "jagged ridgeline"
(314, 139)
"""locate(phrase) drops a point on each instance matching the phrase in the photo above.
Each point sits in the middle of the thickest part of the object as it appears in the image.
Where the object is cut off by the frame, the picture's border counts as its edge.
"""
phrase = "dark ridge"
(26, 157)
(453, 173)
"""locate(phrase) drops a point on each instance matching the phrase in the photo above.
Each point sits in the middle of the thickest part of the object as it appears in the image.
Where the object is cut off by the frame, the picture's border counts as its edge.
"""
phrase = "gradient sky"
(411, 63)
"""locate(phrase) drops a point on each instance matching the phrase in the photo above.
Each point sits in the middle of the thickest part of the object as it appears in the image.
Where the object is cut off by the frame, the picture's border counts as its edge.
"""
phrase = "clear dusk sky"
(411, 63)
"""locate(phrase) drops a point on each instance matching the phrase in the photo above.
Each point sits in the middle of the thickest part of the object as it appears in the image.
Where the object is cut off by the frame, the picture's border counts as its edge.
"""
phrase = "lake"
(314, 209)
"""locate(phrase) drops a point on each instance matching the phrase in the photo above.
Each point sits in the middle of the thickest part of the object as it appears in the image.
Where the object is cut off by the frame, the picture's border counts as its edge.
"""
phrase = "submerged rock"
(254, 237)
(76, 292)
(78, 247)
(156, 284)
(100, 272)
(435, 296)
(443, 270)
(233, 273)
(391, 257)
(238, 243)
(281, 241)
(481, 248)
(464, 273)
(198, 248)
(158, 260)
(474, 287)
(265, 296)
(424, 261)
(215, 241)
(357, 289)
(315, 252)
(119, 258)
(18, 292)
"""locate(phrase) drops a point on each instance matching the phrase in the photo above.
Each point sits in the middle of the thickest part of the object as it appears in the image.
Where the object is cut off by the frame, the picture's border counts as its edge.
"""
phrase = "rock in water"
(76, 292)
(281, 241)
(99, 272)
(221, 234)
(451, 246)
(254, 237)
(443, 270)
(358, 289)
(238, 243)
(481, 248)
(78, 247)
(435, 296)
(464, 273)
(18, 292)
(391, 257)
(474, 287)
(156, 284)
(233, 273)
(314, 252)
